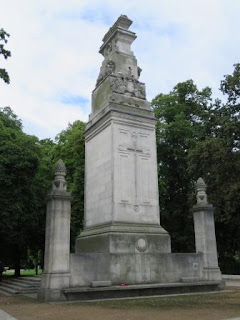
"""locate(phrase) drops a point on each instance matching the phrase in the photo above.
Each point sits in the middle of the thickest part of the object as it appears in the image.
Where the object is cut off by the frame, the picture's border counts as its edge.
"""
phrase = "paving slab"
(6, 316)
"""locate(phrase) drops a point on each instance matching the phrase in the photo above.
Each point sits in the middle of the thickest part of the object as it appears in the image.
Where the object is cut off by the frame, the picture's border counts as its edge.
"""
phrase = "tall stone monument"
(122, 241)
(121, 182)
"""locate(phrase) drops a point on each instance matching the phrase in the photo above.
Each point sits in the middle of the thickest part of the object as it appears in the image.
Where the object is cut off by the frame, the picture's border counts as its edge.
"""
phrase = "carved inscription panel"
(136, 176)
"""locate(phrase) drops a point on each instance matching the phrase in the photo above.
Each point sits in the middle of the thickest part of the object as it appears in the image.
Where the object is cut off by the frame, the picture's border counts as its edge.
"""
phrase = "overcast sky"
(55, 60)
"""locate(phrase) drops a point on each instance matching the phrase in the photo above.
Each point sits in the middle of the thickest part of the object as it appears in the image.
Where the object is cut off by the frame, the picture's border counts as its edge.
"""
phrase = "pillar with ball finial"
(56, 273)
(205, 239)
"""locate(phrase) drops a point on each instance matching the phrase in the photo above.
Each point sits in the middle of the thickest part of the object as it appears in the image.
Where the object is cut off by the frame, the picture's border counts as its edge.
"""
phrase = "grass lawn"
(218, 300)
(24, 272)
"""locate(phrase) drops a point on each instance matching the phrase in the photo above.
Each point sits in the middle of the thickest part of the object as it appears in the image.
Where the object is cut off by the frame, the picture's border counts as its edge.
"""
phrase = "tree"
(19, 157)
(6, 54)
(200, 137)
(40, 188)
(181, 114)
(217, 159)
(70, 148)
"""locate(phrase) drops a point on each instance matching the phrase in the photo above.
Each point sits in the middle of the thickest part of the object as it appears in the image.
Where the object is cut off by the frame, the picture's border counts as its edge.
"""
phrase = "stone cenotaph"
(122, 240)
(121, 189)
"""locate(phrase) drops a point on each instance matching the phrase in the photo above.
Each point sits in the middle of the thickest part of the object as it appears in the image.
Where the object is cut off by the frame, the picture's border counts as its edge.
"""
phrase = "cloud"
(55, 60)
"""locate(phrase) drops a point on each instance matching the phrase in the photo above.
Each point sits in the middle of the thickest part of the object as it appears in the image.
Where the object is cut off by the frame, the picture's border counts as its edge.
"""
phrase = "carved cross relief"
(134, 152)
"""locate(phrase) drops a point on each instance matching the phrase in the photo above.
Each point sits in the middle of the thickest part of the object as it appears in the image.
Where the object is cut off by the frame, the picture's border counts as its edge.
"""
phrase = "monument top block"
(118, 84)
(117, 36)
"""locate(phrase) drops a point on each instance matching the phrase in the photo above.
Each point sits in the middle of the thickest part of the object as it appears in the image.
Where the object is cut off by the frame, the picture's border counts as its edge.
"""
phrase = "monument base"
(157, 289)
(212, 274)
(134, 268)
(127, 238)
(52, 285)
(47, 295)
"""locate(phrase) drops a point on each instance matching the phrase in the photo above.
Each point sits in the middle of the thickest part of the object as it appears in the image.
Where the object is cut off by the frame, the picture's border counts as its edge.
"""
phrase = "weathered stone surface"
(134, 268)
(119, 73)
(96, 284)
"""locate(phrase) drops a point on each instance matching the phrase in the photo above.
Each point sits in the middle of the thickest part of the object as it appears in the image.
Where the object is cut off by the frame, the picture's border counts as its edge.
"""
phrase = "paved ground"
(217, 306)
(6, 316)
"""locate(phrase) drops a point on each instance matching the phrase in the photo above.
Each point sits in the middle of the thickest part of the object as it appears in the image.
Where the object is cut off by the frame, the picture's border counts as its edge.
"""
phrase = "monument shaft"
(121, 182)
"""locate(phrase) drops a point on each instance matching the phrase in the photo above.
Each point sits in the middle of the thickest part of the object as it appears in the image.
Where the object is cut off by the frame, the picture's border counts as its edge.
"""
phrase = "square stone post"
(205, 238)
(56, 273)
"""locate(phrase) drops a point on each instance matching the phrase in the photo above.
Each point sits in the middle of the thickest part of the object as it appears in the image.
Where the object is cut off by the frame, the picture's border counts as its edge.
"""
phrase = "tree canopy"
(197, 136)
(70, 148)
(19, 160)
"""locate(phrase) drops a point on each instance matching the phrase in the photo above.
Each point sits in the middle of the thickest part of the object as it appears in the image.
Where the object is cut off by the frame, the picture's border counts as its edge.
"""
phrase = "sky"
(55, 60)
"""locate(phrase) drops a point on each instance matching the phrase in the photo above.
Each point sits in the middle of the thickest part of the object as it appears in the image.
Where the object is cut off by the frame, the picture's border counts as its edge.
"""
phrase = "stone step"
(4, 289)
(88, 293)
(189, 279)
(20, 285)
(24, 282)
(32, 278)
(231, 280)
(17, 288)
(5, 293)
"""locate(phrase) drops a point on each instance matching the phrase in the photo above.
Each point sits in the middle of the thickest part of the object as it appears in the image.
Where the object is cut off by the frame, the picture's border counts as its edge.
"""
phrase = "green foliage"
(231, 86)
(19, 158)
(197, 137)
(181, 114)
(70, 148)
(6, 54)
(217, 158)
(41, 186)
(26, 173)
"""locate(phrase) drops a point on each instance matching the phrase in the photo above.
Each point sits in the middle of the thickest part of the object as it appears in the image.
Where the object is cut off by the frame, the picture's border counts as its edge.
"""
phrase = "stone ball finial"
(60, 168)
(201, 184)
(201, 191)
(59, 182)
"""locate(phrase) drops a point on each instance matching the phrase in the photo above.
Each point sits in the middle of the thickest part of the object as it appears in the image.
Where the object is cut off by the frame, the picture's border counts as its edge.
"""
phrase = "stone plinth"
(134, 268)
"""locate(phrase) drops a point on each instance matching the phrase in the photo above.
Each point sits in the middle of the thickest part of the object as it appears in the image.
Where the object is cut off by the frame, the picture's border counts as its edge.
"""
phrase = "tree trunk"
(17, 262)
(17, 269)
(36, 269)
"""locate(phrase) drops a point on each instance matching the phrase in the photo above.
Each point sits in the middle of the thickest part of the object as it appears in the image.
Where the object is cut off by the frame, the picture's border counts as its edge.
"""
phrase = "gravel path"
(225, 305)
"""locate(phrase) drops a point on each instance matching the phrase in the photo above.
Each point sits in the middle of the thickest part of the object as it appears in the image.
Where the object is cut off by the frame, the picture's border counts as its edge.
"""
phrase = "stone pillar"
(56, 273)
(205, 238)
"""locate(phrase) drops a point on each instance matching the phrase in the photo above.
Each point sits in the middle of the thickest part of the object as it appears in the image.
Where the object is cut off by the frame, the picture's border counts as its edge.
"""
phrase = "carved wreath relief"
(141, 244)
(128, 85)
